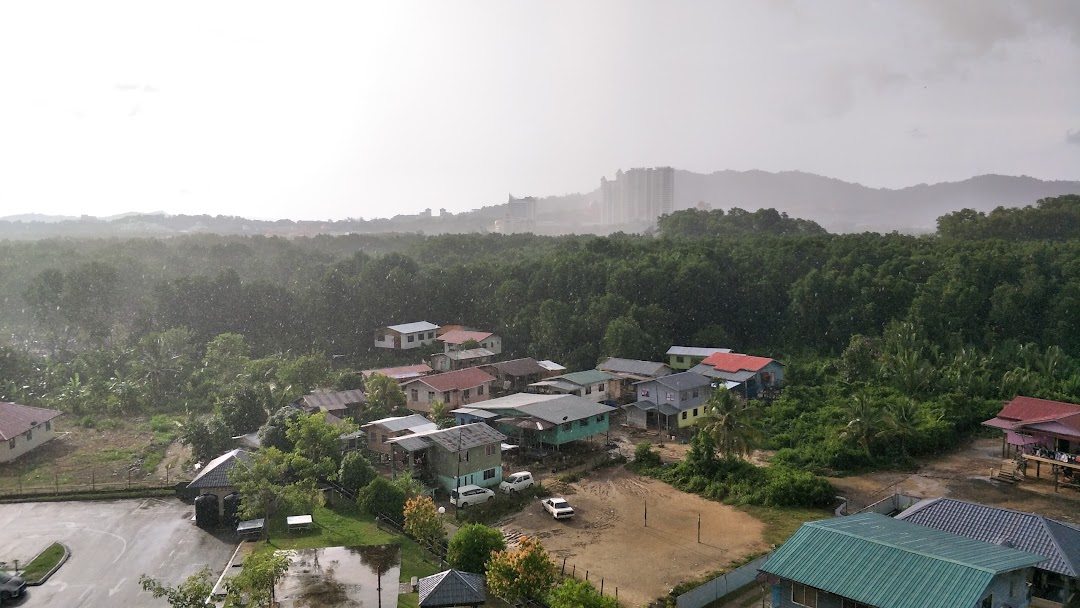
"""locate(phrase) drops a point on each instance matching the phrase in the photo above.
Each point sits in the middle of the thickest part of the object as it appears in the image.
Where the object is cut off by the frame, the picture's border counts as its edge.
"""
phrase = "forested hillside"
(916, 338)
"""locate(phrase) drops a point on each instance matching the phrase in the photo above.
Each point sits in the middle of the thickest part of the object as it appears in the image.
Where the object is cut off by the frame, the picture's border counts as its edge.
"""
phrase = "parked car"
(470, 495)
(11, 586)
(558, 507)
(516, 482)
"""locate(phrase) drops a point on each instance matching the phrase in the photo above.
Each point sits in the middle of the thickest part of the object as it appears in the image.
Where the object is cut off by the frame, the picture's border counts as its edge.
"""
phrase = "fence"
(572, 571)
(721, 585)
(890, 504)
(17, 486)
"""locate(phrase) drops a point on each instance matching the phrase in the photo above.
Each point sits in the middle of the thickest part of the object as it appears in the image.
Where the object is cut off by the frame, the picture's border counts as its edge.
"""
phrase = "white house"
(23, 428)
(406, 336)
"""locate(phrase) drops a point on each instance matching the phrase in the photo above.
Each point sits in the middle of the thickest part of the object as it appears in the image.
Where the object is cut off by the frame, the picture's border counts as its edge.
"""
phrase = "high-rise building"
(638, 195)
(520, 215)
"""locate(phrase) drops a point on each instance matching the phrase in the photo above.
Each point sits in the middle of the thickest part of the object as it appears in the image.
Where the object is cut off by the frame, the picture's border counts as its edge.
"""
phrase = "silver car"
(11, 586)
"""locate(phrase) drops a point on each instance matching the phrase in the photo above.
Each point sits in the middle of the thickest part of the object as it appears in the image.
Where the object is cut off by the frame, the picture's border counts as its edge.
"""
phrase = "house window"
(430, 396)
(695, 412)
(599, 417)
(696, 392)
(568, 426)
(588, 390)
(430, 335)
(463, 456)
(803, 595)
(600, 387)
(415, 395)
(490, 450)
(446, 396)
(480, 390)
(384, 438)
(684, 395)
(583, 422)
(489, 474)
(846, 603)
(371, 436)
(465, 394)
(411, 338)
(988, 601)
(11, 444)
(684, 415)
(29, 435)
(48, 425)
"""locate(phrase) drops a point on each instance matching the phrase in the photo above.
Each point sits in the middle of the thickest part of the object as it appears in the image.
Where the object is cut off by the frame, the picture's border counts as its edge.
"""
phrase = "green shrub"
(645, 457)
(161, 423)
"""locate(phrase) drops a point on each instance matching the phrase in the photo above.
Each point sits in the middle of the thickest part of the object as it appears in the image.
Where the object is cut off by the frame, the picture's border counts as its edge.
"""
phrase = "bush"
(471, 548)
(355, 471)
(382, 498)
(645, 457)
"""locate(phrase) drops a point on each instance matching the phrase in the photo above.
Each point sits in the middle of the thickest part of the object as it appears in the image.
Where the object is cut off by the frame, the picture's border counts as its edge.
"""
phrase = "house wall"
(560, 434)
(454, 399)
(682, 363)
(598, 391)
(658, 393)
(445, 466)
(419, 338)
(38, 435)
(1008, 589)
(377, 436)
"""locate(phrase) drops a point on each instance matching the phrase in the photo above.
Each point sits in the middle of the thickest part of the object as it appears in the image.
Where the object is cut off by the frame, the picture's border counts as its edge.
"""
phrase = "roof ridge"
(1057, 545)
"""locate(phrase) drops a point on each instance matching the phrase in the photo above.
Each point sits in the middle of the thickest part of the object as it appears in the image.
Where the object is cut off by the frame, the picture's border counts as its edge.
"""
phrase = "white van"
(516, 482)
(470, 495)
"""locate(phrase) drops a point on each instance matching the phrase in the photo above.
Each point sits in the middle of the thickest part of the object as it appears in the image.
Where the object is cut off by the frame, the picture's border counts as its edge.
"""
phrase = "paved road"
(112, 543)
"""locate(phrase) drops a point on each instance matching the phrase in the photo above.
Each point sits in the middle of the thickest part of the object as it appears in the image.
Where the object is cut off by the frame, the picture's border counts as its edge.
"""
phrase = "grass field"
(43, 563)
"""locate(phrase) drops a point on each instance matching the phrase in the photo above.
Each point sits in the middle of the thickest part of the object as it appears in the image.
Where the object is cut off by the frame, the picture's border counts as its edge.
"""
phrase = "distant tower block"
(638, 195)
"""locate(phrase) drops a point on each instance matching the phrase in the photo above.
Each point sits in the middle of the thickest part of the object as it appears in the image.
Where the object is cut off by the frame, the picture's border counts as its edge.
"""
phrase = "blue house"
(874, 561)
(545, 421)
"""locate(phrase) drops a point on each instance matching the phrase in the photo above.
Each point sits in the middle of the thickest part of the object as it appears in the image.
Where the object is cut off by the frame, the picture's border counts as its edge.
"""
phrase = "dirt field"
(965, 474)
(608, 536)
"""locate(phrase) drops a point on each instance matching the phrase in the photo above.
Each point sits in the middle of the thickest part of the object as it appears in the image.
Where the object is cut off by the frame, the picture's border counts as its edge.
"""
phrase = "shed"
(452, 588)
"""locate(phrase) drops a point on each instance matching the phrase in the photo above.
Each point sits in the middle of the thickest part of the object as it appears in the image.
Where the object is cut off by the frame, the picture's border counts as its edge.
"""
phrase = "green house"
(682, 358)
(548, 420)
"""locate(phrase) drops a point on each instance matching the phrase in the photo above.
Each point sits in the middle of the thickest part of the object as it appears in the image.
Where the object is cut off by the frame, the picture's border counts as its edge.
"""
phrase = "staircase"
(1008, 473)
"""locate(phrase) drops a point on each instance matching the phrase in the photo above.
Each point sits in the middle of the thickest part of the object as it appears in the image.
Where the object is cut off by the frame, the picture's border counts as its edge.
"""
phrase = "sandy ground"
(965, 474)
(609, 538)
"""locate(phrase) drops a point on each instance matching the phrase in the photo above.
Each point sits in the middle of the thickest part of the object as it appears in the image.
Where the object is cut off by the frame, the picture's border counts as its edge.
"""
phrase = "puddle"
(354, 577)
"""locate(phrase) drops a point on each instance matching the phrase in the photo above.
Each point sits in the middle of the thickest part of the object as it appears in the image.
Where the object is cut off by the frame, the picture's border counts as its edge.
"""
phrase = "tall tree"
(192, 593)
(384, 398)
(730, 421)
(524, 573)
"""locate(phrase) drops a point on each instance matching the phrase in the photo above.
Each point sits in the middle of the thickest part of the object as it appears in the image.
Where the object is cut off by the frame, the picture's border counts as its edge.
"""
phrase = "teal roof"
(589, 376)
(890, 563)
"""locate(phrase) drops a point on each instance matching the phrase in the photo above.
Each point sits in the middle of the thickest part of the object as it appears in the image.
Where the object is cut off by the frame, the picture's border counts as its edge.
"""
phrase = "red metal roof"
(1030, 409)
(734, 362)
(461, 379)
(460, 336)
(16, 419)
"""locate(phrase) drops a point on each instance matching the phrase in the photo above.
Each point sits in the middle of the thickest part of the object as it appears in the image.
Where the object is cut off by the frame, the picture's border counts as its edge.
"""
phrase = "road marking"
(117, 587)
(85, 593)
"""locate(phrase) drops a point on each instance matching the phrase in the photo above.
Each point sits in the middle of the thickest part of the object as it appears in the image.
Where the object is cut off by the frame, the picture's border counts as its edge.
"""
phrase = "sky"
(324, 110)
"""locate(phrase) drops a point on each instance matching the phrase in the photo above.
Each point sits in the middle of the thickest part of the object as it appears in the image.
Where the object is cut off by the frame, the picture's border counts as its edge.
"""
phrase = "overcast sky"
(317, 110)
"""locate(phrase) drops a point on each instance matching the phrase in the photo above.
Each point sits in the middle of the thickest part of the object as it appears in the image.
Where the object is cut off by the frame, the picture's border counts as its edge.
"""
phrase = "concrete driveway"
(112, 543)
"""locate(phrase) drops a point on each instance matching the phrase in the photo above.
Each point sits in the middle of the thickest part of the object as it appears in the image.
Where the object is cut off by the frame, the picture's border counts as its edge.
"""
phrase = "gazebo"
(452, 588)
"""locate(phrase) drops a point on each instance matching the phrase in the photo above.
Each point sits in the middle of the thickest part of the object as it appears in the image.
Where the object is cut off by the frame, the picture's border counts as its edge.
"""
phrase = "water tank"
(231, 504)
(206, 511)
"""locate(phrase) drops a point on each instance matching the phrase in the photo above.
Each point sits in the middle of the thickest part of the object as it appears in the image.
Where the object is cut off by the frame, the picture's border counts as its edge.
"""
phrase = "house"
(629, 371)
(679, 397)
(455, 389)
(515, 375)
(451, 588)
(214, 477)
(1056, 580)
(751, 377)
(544, 421)
(400, 373)
(456, 339)
(460, 359)
(406, 336)
(454, 457)
(591, 384)
(469, 415)
(378, 432)
(871, 560)
(686, 357)
(23, 428)
(1042, 432)
(552, 366)
(340, 404)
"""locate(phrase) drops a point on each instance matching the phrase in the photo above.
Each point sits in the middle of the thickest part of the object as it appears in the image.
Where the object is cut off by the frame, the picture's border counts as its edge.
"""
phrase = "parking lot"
(112, 543)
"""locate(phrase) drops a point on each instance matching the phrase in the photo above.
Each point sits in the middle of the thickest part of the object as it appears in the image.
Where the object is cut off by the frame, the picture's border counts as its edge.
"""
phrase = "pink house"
(456, 389)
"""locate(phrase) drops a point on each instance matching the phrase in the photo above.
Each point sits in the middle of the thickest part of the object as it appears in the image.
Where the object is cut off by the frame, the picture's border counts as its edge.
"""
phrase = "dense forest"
(895, 345)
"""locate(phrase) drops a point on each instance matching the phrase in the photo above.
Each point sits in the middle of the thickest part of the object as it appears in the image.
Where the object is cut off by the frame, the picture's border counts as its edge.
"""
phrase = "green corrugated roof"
(889, 563)
(589, 376)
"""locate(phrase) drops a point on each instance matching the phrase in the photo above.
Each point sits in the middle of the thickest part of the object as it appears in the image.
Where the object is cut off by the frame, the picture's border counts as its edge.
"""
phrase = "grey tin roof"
(555, 409)
(520, 367)
(683, 381)
(695, 351)
(712, 372)
(634, 367)
(472, 411)
(411, 328)
(646, 406)
(453, 439)
(335, 400)
(451, 588)
(1058, 542)
(216, 472)
(416, 422)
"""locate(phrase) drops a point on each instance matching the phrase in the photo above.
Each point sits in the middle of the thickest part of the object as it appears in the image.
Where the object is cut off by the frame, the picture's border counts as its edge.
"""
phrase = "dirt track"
(609, 538)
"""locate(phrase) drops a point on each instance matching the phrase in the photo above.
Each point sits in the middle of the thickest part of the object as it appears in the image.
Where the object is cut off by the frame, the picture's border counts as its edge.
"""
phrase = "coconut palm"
(864, 422)
(730, 421)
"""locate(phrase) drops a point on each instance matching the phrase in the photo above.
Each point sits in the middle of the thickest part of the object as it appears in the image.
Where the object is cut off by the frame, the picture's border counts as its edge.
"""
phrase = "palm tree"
(863, 423)
(731, 423)
(901, 421)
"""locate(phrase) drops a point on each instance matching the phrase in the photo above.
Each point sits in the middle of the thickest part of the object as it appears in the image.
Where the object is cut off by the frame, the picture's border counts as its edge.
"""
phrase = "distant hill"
(841, 206)
(836, 205)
